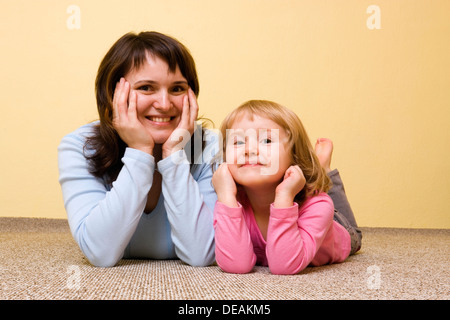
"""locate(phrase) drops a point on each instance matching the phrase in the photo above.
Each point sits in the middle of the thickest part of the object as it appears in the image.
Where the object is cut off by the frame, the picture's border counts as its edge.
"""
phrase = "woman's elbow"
(100, 261)
(198, 259)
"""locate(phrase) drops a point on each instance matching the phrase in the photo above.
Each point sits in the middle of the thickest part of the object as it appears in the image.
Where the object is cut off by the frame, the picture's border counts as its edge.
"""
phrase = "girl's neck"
(260, 199)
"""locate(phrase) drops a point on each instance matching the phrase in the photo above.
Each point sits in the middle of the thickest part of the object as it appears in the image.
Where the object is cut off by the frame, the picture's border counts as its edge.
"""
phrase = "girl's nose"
(251, 147)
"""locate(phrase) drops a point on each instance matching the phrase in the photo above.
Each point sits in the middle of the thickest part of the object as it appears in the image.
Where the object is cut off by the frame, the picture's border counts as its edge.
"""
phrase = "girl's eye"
(238, 142)
(266, 141)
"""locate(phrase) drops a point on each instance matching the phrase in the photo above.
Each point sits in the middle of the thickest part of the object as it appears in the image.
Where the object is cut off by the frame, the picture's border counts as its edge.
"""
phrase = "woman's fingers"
(120, 100)
(193, 106)
(117, 91)
(189, 113)
(132, 110)
(185, 118)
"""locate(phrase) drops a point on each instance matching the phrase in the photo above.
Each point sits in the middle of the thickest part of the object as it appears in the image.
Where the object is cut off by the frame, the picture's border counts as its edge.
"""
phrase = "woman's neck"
(157, 152)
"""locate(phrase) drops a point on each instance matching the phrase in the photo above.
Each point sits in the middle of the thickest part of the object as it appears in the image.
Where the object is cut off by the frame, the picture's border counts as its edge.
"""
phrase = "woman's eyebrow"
(181, 81)
(156, 82)
(145, 82)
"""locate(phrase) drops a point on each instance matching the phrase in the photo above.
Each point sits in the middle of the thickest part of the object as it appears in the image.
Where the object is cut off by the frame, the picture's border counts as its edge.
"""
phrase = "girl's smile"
(256, 151)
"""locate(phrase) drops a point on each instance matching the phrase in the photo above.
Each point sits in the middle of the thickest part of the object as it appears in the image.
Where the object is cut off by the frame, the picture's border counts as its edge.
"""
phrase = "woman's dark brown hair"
(129, 52)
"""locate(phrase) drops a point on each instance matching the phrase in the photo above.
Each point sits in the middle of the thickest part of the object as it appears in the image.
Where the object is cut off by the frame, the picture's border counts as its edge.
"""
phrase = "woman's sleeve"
(102, 222)
(234, 248)
(189, 203)
(294, 238)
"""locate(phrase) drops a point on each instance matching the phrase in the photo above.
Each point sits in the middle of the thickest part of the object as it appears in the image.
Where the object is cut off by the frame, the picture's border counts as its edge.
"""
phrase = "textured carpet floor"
(40, 260)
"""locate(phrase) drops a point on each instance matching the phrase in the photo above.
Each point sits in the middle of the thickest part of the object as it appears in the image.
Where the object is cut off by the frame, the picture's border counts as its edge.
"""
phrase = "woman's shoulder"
(81, 133)
(206, 145)
(75, 141)
(210, 136)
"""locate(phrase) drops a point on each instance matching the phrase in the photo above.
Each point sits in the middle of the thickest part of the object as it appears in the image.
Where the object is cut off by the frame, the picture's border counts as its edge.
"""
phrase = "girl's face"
(160, 95)
(257, 151)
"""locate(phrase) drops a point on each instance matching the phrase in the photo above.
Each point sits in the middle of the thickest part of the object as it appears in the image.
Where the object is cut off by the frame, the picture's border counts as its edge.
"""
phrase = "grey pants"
(343, 213)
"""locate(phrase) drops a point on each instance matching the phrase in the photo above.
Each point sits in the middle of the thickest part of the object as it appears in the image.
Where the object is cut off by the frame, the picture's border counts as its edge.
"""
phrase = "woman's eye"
(179, 89)
(145, 88)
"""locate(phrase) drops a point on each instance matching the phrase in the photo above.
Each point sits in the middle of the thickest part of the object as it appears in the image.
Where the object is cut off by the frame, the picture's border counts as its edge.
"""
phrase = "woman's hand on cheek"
(125, 119)
(293, 182)
(225, 186)
(181, 135)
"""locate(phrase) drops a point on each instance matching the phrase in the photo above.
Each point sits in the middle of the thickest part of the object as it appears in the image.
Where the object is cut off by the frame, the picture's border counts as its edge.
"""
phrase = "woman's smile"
(160, 95)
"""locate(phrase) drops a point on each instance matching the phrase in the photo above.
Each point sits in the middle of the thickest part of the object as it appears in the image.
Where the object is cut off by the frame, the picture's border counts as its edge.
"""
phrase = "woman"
(137, 183)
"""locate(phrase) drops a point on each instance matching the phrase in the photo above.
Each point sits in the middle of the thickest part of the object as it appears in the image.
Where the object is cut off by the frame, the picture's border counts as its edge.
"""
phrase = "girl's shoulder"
(321, 198)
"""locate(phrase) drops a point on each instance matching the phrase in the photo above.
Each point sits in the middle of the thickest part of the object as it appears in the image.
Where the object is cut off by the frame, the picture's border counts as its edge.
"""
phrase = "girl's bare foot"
(324, 150)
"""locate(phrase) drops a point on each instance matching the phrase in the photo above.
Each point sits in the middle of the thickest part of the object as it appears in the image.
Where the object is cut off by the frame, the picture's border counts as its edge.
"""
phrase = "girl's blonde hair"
(302, 151)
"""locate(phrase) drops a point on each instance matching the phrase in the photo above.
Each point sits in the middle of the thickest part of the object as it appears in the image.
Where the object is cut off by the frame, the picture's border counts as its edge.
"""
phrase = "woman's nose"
(162, 101)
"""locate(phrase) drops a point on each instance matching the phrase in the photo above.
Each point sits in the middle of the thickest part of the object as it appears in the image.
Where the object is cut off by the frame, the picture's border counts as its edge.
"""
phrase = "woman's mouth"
(160, 120)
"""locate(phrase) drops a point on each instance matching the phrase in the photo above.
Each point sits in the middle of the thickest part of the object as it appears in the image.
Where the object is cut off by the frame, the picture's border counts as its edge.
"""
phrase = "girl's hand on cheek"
(293, 182)
(181, 135)
(125, 120)
(225, 186)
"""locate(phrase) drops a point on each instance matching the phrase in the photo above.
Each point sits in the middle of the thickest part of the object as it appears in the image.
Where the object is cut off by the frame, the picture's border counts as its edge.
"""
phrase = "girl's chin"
(259, 180)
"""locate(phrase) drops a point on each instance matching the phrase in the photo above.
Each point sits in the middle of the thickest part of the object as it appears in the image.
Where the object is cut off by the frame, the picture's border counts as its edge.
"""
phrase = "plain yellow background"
(382, 95)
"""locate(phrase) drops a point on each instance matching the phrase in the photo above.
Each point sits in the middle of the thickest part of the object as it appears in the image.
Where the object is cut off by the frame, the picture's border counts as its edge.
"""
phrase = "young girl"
(272, 208)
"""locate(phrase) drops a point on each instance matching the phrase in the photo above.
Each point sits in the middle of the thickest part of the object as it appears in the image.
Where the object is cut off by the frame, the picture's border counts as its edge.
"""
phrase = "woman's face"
(160, 94)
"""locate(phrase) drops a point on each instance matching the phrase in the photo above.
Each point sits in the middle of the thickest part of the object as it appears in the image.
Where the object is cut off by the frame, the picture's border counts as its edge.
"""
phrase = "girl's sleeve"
(293, 237)
(234, 248)
(189, 201)
(103, 221)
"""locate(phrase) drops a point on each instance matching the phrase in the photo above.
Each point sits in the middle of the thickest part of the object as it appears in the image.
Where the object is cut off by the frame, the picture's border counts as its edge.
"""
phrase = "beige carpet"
(40, 260)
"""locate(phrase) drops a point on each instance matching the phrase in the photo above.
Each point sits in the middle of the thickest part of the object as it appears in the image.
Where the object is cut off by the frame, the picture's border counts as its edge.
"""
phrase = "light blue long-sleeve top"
(108, 221)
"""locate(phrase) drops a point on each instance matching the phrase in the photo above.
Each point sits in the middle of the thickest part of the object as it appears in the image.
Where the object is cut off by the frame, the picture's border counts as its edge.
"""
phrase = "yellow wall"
(382, 95)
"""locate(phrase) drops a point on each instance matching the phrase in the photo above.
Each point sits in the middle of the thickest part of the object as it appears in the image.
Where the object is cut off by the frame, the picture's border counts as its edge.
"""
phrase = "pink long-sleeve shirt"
(296, 237)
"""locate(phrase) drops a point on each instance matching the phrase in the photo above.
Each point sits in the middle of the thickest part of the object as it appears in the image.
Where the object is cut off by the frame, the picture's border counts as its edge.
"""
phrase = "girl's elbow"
(237, 269)
(282, 271)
